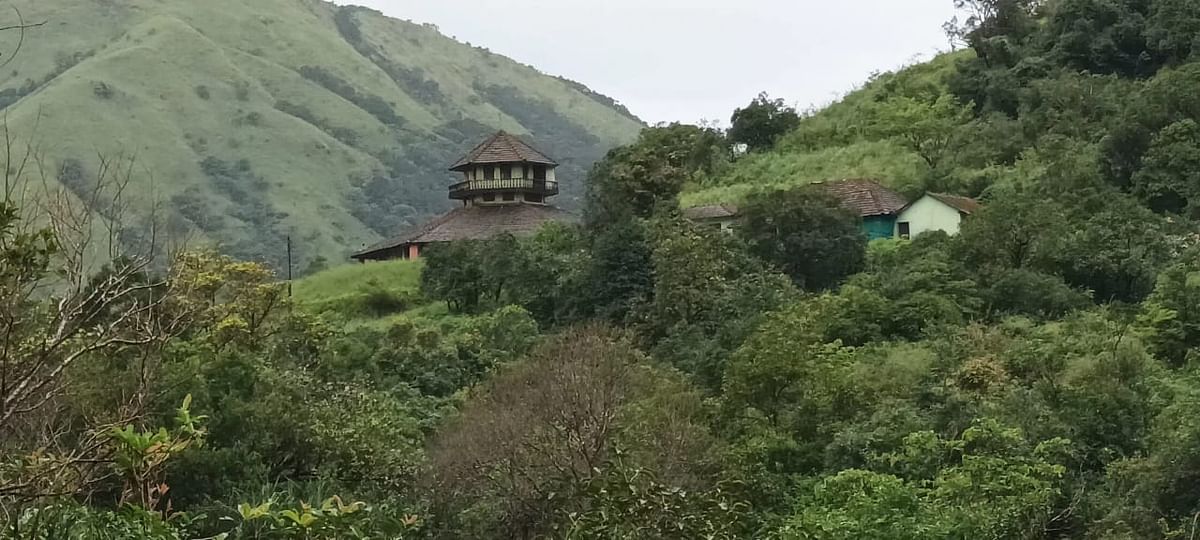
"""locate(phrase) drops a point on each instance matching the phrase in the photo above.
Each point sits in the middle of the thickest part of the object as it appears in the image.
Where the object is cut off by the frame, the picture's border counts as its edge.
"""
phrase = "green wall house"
(879, 226)
(877, 204)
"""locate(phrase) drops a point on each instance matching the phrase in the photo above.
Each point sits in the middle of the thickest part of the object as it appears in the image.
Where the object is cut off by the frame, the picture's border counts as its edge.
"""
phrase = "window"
(489, 172)
(904, 229)
(489, 197)
(539, 172)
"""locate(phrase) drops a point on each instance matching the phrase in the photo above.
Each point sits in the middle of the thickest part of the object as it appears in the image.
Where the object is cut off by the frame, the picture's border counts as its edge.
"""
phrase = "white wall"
(929, 214)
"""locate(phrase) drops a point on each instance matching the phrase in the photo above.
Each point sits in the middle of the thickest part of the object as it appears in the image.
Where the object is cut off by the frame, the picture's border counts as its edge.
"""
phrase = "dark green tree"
(454, 273)
(1171, 315)
(1169, 178)
(762, 122)
(1014, 230)
(805, 233)
(1173, 29)
(635, 180)
(620, 274)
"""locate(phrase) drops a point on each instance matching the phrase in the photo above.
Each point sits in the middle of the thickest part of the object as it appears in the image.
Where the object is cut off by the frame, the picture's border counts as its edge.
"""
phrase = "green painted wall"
(878, 227)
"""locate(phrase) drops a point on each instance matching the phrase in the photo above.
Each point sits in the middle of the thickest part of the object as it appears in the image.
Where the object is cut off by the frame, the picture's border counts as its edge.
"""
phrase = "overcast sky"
(692, 60)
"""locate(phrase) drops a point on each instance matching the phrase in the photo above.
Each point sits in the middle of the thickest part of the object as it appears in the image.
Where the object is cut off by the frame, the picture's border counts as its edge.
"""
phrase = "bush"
(379, 301)
(102, 90)
(1026, 292)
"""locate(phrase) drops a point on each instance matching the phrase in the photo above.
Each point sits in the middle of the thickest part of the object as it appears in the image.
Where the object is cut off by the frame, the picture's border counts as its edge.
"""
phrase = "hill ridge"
(211, 97)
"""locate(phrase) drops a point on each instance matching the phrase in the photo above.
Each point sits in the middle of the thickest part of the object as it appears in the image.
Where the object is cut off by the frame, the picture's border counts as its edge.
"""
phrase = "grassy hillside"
(848, 139)
(362, 293)
(253, 121)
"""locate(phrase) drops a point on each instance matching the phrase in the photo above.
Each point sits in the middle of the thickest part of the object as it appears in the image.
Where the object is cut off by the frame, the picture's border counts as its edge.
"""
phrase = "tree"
(930, 129)
(805, 233)
(545, 428)
(1173, 29)
(1102, 37)
(1170, 317)
(709, 294)
(917, 289)
(549, 275)
(1169, 178)
(996, 486)
(78, 291)
(620, 273)
(762, 122)
(1116, 251)
(991, 24)
(633, 181)
(1013, 230)
(786, 373)
(454, 273)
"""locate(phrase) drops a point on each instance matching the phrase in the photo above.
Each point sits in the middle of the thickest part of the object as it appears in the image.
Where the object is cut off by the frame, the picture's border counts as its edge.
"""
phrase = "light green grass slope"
(348, 289)
(839, 141)
(243, 146)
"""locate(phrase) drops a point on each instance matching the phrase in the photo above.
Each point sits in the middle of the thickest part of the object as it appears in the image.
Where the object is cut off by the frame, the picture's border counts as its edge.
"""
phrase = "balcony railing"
(471, 188)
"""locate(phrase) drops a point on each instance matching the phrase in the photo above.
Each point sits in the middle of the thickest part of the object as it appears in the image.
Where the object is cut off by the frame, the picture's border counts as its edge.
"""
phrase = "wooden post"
(289, 264)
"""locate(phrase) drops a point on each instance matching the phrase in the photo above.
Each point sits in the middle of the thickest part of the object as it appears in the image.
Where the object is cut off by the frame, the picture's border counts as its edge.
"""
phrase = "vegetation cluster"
(643, 376)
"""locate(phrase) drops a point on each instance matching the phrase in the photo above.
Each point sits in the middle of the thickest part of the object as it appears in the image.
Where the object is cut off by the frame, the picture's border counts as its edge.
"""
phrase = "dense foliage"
(643, 376)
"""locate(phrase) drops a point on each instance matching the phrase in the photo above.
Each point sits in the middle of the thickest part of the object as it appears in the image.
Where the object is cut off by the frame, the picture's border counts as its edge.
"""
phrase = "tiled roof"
(476, 223)
(867, 197)
(715, 211)
(965, 205)
(502, 148)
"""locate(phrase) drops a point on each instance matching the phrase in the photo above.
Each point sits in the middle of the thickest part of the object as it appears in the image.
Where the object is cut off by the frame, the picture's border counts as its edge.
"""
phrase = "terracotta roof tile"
(715, 211)
(867, 197)
(476, 223)
(502, 148)
(965, 205)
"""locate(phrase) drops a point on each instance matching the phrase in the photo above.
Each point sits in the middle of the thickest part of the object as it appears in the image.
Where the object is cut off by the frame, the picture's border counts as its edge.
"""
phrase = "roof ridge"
(503, 147)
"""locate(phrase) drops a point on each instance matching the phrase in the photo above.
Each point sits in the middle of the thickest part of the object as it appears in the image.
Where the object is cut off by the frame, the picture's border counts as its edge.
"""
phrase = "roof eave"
(464, 167)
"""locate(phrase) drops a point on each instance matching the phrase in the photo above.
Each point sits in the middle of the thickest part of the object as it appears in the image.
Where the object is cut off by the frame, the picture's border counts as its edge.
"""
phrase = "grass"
(898, 166)
(374, 295)
(365, 292)
(834, 143)
(155, 55)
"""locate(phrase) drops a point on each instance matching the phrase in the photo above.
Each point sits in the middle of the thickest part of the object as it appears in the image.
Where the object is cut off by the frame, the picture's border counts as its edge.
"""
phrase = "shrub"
(102, 90)
(379, 301)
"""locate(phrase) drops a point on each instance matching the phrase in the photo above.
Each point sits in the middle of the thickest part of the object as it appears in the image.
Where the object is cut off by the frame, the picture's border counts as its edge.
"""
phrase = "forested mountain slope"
(251, 121)
(1102, 83)
(1032, 376)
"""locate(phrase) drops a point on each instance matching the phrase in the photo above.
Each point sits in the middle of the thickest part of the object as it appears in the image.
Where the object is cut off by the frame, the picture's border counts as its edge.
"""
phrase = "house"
(721, 216)
(505, 188)
(934, 212)
(877, 205)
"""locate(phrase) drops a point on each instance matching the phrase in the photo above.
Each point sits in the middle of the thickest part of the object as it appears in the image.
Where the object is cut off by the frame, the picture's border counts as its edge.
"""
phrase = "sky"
(696, 60)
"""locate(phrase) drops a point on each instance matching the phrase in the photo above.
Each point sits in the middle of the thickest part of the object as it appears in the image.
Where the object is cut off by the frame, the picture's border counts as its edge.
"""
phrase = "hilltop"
(252, 121)
(857, 136)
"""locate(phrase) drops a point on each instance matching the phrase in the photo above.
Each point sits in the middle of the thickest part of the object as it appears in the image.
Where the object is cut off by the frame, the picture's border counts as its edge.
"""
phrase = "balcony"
(472, 188)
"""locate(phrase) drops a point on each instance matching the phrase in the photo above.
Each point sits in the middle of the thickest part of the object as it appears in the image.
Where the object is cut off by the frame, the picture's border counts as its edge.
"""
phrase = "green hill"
(366, 293)
(253, 121)
(861, 135)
